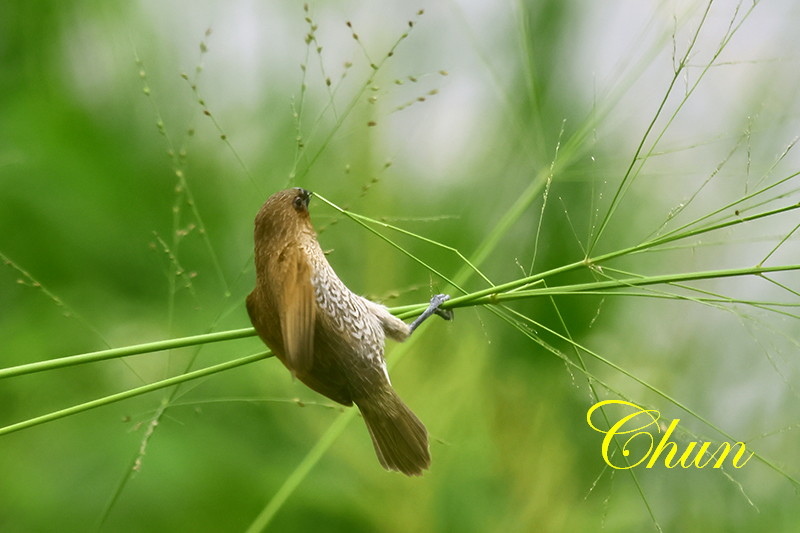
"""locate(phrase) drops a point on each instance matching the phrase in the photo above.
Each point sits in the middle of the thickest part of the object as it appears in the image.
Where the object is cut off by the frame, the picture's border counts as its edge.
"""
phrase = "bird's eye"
(298, 203)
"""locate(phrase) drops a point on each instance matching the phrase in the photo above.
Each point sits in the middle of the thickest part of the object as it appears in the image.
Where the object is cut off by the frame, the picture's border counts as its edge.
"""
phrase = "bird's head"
(284, 214)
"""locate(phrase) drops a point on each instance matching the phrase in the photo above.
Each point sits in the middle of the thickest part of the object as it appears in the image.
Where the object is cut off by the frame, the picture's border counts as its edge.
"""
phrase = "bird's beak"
(305, 195)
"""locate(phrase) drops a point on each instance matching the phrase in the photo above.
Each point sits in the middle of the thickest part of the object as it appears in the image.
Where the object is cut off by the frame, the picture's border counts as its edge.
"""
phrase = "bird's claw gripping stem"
(432, 309)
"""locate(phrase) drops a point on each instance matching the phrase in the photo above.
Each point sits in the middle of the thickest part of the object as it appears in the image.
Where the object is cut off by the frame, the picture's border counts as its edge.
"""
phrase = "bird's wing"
(297, 311)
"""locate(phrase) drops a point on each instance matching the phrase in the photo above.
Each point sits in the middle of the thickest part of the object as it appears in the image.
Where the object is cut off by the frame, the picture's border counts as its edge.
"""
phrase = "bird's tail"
(400, 439)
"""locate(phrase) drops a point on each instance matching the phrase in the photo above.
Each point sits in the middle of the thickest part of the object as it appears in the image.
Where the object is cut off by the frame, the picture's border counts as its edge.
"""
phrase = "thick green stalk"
(135, 349)
(55, 415)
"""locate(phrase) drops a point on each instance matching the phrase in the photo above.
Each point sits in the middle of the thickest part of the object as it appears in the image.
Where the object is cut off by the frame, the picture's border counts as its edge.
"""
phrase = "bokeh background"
(126, 217)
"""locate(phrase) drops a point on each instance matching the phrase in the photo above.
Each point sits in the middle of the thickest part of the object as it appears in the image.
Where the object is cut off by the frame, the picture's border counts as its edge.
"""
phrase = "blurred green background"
(482, 102)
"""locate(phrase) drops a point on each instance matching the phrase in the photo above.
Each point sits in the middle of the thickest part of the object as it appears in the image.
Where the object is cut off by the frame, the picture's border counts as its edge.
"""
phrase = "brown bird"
(328, 337)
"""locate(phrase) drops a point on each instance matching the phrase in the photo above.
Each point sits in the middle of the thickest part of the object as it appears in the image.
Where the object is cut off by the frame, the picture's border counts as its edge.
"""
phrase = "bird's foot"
(438, 300)
(432, 309)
